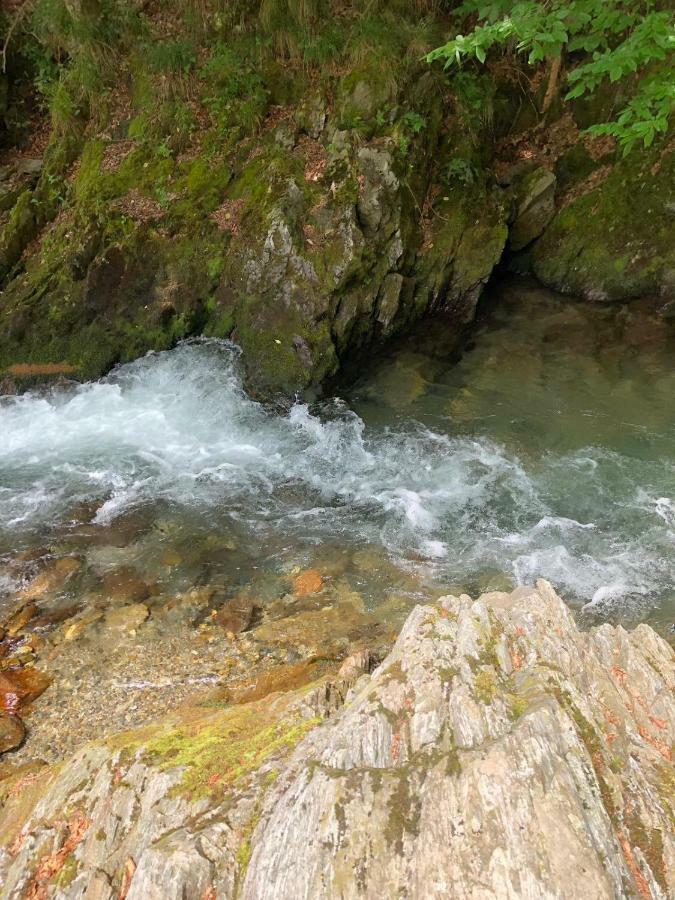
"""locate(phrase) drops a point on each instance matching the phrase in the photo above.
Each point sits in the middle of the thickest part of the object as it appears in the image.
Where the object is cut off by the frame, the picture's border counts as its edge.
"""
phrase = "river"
(135, 510)
(545, 448)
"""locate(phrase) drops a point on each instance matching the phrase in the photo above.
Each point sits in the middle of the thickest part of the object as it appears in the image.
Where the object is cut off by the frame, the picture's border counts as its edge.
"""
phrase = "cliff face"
(304, 184)
(496, 750)
(306, 250)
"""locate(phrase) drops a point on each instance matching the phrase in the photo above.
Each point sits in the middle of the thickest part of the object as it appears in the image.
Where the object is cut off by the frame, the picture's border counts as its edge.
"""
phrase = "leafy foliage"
(606, 40)
(461, 169)
(170, 56)
(237, 94)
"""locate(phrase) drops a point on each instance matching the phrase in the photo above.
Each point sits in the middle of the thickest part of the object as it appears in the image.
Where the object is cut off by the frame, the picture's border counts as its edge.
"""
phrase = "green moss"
(615, 241)
(220, 325)
(453, 764)
(650, 842)
(404, 809)
(224, 750)
(517, 705)
(485, 686)
(490, 640)
(364, 98)
(244, 851)
(243, 856)
(468, 235)
(19, 230)
(68, 872)
(593, 743)
(666, 782)
(201, 189)
(573, 167)
(448, 673)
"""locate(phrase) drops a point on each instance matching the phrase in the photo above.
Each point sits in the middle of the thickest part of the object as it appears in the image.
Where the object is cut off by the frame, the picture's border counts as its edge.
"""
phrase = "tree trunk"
(552, 86)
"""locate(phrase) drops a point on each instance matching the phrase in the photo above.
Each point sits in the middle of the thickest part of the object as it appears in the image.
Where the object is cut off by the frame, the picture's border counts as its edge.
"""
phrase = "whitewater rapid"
(177, 427)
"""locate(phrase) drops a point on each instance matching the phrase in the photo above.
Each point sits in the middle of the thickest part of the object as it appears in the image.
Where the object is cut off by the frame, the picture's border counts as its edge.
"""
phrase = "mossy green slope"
(615, 242)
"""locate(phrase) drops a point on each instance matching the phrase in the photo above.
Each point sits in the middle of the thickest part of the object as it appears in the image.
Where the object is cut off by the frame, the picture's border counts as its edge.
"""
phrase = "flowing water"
(546, 448)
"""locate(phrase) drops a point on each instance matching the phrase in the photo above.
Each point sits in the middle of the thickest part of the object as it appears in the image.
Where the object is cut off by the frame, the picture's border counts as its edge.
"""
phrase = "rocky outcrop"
(308, 244)
(339, 264)
(533, 191)
(307, 185)
(497, 751)
(612, 238)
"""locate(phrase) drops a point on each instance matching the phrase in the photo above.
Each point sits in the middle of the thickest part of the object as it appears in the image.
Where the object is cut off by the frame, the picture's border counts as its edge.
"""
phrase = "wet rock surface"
(495, 746)
(102, 664)
(12, 732)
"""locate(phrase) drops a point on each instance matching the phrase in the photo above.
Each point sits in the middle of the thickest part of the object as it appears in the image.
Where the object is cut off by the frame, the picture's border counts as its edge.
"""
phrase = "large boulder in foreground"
(496, 752)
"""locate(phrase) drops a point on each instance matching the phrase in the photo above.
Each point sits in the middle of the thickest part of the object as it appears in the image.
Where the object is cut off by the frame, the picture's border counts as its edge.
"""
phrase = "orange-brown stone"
(20, 686)
(308, 582)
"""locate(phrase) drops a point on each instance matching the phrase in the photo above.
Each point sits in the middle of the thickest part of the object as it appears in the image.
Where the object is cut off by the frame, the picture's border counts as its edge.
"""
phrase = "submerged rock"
(497, 751)
(126, 618)
(12, 732)
(236, 615)
(327, 631)
(124, 585)
(18, 687)
(18, 621)
(52, 579)
(308, 582)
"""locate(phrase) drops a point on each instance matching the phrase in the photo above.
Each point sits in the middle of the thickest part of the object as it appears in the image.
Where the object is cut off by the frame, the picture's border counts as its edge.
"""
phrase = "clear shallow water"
(547, 449)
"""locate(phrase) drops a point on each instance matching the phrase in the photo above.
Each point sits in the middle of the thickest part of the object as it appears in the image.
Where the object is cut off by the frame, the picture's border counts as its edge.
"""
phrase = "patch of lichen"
(404, 809)
(68, 872)
(650, 842)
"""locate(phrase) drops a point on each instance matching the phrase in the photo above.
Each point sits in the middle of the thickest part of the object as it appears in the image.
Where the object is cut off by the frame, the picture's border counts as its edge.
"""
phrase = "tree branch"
(553, 74)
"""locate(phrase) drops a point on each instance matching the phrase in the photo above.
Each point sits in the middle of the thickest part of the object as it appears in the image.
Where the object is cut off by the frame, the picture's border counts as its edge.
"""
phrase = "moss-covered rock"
(307, 212)
(305, 244)
(615, 241)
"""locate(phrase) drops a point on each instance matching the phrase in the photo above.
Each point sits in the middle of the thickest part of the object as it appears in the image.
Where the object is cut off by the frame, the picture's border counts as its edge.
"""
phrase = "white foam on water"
(178, 427)
(665, 507)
